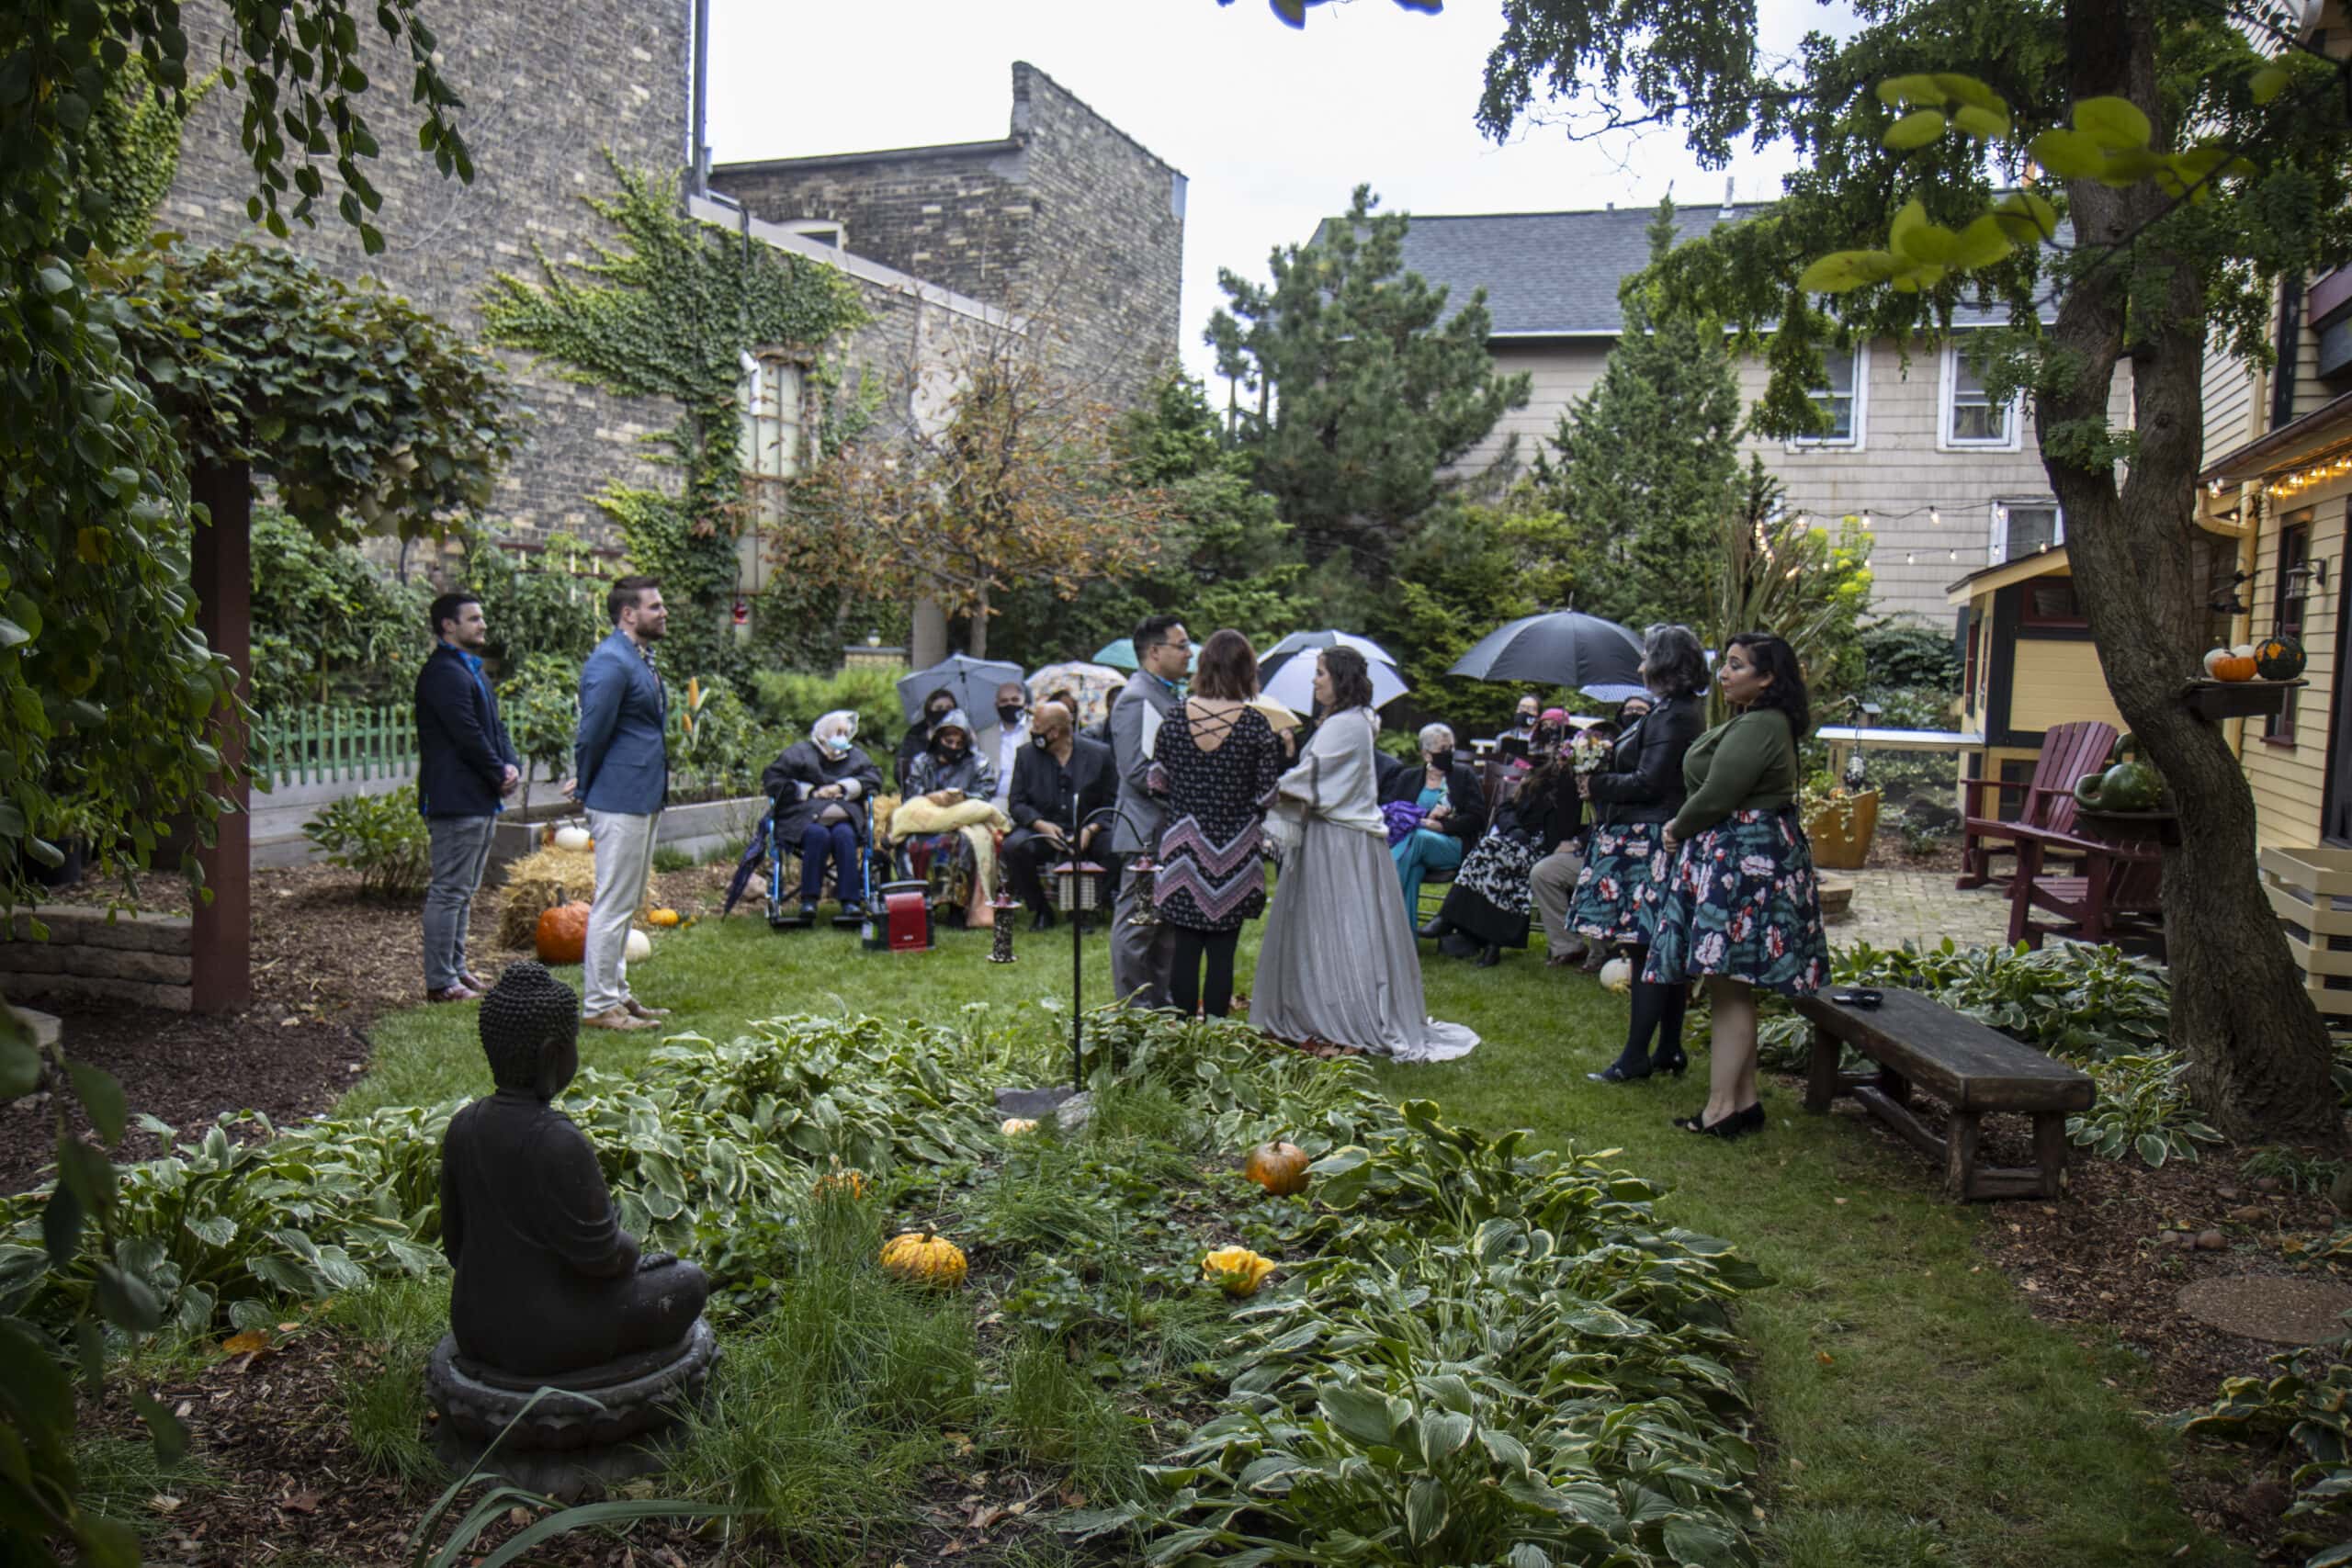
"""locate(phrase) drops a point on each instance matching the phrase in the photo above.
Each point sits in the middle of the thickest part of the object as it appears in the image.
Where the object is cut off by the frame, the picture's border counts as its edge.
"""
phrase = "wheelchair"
(784, 873)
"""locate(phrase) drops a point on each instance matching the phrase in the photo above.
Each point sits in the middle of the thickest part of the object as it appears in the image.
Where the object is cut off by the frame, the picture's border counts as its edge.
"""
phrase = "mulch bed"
(327, 962)
(2111, 1259)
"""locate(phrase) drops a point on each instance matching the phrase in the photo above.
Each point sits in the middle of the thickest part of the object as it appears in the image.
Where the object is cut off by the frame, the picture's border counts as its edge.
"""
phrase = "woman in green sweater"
(1741, 907)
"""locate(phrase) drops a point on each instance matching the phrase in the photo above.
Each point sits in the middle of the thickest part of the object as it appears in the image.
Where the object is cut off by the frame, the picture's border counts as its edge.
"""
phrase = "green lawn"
(1913, 1411)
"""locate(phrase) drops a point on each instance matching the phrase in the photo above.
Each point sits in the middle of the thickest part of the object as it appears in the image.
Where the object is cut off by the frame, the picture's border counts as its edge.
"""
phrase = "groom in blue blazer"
(621, 775)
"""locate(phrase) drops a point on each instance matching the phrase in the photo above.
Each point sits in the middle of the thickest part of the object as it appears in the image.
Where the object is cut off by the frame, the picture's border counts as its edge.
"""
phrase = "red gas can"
(904, 922)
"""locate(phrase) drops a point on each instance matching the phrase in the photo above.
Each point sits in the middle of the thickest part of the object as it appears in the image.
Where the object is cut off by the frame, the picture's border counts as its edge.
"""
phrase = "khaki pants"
(624, 863)
(1552, 884)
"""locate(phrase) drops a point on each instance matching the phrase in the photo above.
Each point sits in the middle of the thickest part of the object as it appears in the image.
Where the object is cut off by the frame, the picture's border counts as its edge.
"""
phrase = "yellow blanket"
(978, 820)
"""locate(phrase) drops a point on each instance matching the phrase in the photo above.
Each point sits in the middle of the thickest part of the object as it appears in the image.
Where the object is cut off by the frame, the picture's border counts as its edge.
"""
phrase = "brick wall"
(548, 86)
(1068, 218)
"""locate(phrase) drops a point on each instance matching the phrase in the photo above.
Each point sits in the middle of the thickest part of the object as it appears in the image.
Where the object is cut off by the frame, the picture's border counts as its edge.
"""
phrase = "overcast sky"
(1274, 126)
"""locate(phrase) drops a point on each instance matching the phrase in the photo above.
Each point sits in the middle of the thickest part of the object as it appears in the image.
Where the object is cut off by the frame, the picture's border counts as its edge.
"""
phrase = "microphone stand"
(1036, 1101)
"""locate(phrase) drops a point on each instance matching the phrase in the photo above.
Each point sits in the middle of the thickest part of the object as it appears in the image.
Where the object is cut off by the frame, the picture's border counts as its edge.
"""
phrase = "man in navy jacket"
(465, 765)
(621, 773)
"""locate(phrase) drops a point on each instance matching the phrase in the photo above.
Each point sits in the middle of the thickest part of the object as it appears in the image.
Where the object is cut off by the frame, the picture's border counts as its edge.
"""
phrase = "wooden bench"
(1920, 1043)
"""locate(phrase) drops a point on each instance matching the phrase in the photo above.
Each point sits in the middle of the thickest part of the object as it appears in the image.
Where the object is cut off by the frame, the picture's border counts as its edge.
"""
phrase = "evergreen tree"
(1366, 391)
(1648, 467)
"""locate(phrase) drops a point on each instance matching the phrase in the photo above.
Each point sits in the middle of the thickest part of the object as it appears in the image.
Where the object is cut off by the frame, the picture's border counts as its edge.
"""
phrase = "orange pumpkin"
(563, 934)
(2235, 667)
(1279, 1167)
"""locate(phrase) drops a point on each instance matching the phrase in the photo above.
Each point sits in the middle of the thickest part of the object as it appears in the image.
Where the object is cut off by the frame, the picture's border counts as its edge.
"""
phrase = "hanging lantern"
(1147, 910)
(742, 611)
(1001, 933)
(1076, 886)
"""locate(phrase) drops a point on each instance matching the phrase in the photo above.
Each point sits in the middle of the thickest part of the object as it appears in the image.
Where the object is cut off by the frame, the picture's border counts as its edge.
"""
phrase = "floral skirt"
(1618, 891)
(1741, 902)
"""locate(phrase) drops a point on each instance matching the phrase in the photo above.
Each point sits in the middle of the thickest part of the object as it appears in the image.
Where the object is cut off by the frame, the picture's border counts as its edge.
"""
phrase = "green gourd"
(2278, 658)
(2127, 787)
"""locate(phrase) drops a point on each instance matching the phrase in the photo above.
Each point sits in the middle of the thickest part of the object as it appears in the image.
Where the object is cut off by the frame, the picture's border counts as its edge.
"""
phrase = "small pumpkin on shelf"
(2278, 658)
(561, 936)
(662, 917)
(2231, 663)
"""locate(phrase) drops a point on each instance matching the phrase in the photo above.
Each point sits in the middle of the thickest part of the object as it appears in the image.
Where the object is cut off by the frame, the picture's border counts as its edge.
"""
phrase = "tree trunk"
(220, 570)
(927, 638)
(2259, 1054)
(975, 635)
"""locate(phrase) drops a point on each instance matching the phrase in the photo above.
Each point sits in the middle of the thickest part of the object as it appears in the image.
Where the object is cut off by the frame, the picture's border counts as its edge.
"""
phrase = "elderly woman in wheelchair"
(822, 789)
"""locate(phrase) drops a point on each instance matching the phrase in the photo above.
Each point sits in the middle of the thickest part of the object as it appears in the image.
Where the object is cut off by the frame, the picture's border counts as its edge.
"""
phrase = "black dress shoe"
(1490, 955)
(1675, 1064)
(1043, 920)
(1435, 929)
(1738, 1124)
(1615, 1073)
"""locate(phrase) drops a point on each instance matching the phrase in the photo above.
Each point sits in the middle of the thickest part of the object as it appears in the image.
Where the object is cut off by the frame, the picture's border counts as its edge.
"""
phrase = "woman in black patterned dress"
(1216, 761)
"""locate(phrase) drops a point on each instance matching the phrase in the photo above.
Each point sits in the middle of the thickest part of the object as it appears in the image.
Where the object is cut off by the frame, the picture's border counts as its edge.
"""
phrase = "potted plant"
(1839, 819)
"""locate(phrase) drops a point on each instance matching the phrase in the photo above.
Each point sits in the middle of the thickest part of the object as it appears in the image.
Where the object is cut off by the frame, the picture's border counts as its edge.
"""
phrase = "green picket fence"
(330, 745)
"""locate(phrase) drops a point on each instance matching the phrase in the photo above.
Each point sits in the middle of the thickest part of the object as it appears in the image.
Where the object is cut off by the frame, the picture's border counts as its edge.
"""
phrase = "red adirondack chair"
(2116, 892)
(2068, 751)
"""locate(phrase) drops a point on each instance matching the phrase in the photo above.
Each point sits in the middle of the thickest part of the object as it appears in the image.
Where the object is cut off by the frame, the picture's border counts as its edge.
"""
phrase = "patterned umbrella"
(1095, 686)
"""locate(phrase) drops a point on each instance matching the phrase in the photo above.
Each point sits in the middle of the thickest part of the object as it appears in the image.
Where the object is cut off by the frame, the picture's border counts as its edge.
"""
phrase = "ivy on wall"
(668, 311)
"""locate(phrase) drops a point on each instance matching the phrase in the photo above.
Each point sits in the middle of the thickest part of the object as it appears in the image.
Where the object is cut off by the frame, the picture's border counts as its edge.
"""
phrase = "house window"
(2021, 529)
(2288, 594)
(1843, 401)
(2050, 602)
(1970, 417)
(770, 398)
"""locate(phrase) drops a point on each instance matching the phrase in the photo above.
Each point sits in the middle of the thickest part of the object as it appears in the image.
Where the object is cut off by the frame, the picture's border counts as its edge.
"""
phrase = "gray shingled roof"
(1557, 273)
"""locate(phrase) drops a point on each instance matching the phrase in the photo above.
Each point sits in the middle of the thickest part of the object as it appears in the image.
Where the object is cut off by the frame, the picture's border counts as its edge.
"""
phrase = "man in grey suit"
(1143, 957)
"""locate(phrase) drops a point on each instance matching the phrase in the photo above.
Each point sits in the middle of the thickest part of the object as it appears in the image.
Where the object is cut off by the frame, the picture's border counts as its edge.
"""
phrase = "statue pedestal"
(592, 1429)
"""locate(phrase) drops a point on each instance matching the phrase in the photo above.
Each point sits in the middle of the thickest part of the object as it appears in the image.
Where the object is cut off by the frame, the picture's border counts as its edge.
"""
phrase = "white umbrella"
(1300, 641)
(1293, 685)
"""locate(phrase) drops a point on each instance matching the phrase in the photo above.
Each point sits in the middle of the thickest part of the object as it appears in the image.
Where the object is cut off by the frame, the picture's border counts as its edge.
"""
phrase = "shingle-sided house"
(1949, 481)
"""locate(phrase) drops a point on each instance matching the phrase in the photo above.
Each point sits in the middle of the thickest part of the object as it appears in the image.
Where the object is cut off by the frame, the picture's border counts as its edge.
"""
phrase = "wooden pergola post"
(221, 569)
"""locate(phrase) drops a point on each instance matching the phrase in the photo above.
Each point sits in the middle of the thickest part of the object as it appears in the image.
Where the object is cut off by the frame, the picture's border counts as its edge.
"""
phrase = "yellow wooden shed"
(2028, 661)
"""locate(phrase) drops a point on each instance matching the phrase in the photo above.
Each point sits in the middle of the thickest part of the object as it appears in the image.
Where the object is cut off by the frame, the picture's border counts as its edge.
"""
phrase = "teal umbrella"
(1121, 655)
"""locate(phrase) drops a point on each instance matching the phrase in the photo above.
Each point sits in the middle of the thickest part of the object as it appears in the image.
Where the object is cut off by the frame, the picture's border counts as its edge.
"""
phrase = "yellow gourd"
(925, 1258)
(1238, 1270)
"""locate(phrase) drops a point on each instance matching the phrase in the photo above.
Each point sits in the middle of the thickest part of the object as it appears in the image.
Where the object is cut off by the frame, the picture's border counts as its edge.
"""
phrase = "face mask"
(938, 714)
(1010, 713)
(1043, 742)
(1442, 761)
(834, 745)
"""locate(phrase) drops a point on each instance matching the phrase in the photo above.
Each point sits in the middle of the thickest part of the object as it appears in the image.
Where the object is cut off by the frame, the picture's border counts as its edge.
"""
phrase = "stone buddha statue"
(547, 1281)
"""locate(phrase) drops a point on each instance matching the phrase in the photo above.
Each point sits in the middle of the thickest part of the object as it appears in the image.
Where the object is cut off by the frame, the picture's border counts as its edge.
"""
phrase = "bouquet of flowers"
(1588, 753)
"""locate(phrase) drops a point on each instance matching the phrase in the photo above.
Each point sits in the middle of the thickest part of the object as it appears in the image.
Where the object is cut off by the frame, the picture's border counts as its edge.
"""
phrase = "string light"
(1935, 517)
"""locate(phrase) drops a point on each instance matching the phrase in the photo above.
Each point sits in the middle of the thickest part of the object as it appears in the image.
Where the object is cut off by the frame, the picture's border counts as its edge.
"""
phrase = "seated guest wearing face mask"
(911, 745)
(1002, 742)
(1453, 814)
(1060, 779)
(820, 786)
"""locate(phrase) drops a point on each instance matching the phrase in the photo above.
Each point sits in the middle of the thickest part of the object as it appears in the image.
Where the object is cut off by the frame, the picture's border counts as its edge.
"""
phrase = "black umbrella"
(1560, 647)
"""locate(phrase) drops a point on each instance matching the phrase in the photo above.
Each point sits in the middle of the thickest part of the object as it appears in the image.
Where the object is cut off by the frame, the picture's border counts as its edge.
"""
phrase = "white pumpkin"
(2242, 651)
(1617, 975)
(572, 837)
(640, 946)
(1018, 1126)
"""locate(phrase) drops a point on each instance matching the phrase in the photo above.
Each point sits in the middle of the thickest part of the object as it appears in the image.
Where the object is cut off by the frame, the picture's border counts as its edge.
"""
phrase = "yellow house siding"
(2228, 402)
(2056, 682)
(2289, 781)
(1896, 474)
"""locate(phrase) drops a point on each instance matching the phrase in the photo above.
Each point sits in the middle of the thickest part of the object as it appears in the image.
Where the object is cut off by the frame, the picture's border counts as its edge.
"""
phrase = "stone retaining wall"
(88, 957)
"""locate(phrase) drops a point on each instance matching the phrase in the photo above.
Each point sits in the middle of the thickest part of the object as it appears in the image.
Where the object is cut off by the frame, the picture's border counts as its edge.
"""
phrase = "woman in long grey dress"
(1339, 962)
